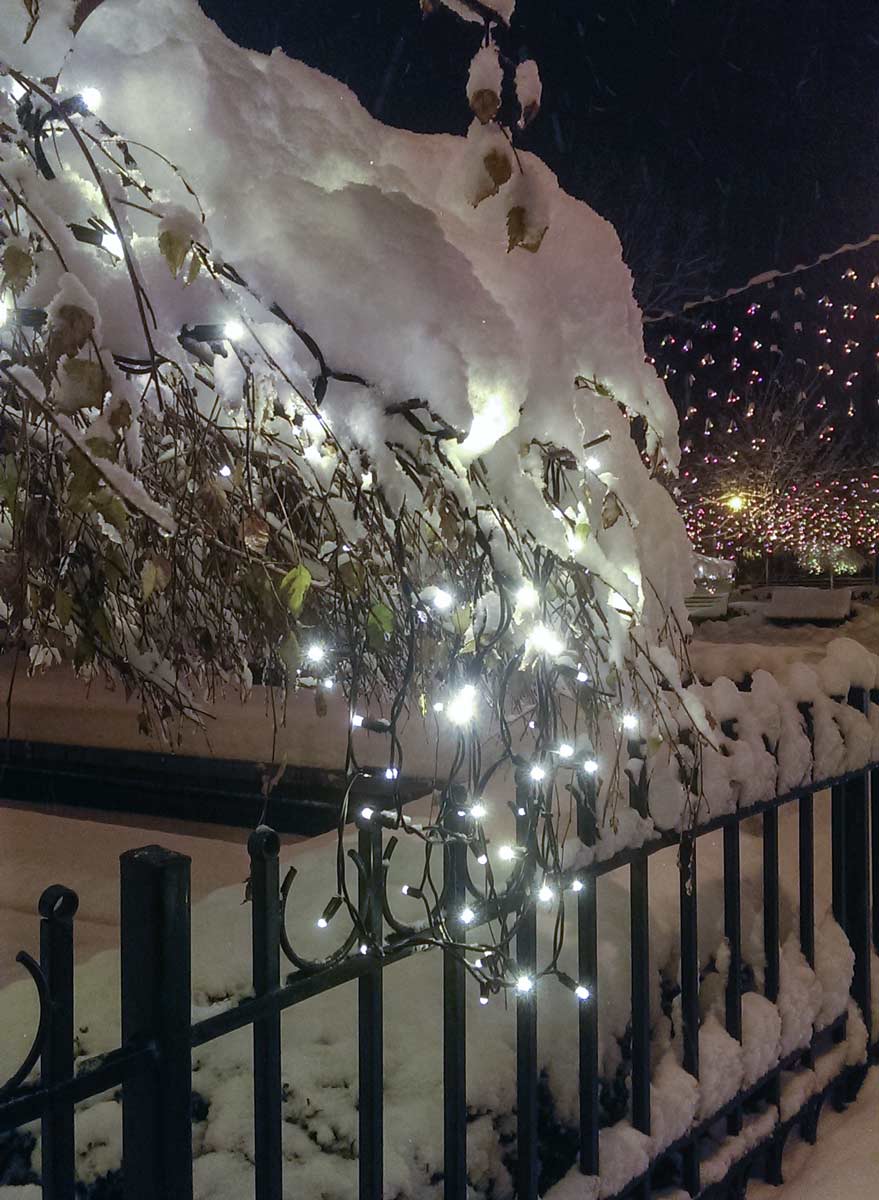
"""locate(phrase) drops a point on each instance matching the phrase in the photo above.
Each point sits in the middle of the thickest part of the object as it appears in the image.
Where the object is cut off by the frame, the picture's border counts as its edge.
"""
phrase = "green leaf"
(174, 248)
(294, 588)
(379, 626)
(85, 385)
(63, 607)
(9, 480)
(290, 653)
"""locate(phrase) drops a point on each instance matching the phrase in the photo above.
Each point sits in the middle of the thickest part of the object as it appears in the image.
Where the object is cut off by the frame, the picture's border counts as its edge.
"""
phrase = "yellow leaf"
(519, 233)
(17, 267)
(485, 104)
(72, 327)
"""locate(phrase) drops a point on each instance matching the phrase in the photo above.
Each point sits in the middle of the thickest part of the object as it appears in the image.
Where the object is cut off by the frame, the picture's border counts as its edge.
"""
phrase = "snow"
(809, 604)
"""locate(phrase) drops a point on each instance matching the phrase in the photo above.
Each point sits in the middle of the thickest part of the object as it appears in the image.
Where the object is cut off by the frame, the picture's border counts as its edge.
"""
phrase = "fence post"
(370, 1018)
(263, 846)
(454, 1010)
(527, 797)
(156, 1011)
(857, 876)
(732, 924)
(58, 906)
(689, 918)
(587, 957)
(639, 921)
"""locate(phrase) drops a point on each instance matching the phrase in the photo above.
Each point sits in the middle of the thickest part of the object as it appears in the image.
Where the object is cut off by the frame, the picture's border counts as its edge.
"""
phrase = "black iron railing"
(153, 1064)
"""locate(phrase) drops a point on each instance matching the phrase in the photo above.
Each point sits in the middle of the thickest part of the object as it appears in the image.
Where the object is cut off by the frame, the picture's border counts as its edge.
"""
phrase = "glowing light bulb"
(112, 243)
(544, 641)
(537, 773)
(592, 463)
(233, 330)
(367, 813)
(462, 709)
(225, 471)
(442, 601)
(483, 999)
(590, 766)
(91, 98)
(364, 949)
(581, 992)
(545, 894)
(565, 751)
(391, 773)
(577, 885)
(630, 721)
(329, 683)
(356, 721)
(527, 597)
(582, 677)
(506, 853)
(439, 706)
(482, 859)
(524, 984)
(315, 653)
(467, 915)
(478, 811)
(736, 503)
(322, 922)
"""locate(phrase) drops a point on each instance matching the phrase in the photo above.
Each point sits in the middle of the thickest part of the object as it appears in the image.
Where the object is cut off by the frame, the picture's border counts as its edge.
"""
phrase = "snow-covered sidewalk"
(843, 1165)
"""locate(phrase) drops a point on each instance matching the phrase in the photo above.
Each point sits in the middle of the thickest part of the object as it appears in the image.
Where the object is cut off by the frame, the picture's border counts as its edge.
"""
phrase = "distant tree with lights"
(778, 477)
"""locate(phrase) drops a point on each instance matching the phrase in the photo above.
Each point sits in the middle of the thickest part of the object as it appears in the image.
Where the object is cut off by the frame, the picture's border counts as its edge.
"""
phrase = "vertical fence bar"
(58, 906)
(526, 1017)
(874, 852)
(732, 925)
(689, 987)
(263, 845)
(587, 955)
(639, 921)
(770, 904)
(772, 966)
(807, 876)
(640, 960)
(454, 1017)
(857, 876)
(156, 1009)
(838, 852)
(370, 1022)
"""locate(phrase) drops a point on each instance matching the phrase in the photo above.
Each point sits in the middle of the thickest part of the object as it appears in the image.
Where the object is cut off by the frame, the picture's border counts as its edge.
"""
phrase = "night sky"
(743, 132)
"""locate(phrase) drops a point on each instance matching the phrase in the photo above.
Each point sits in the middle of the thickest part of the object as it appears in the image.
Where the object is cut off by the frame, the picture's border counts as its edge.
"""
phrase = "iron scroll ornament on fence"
(57, 903)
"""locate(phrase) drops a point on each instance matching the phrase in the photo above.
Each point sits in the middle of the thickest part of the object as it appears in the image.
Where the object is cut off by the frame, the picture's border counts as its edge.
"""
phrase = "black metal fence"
(153, 1064)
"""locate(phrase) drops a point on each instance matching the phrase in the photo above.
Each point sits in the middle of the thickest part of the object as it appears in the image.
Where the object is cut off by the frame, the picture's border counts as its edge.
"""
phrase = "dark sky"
(744, 130)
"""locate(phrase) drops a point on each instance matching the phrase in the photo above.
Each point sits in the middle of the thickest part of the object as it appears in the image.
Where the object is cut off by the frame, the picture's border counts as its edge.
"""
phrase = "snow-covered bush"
(286, 390)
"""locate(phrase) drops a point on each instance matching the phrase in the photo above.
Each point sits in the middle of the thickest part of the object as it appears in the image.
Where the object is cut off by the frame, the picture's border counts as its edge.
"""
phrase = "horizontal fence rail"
(153, 1065)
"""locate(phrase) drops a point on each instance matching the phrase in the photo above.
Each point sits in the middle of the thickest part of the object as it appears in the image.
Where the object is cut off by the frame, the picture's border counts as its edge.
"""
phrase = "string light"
(565, 751)
(478, 811)
(630, 721)
(582, 677)
(225, 471)
(367, 813)
(467, 916)
(543, 641)
(537, 773)
(357, 721)
(462, 709)
(545, 894)
(577, 885)
(329, 912)
(590, 766)
(442, 600)
(233, 331)
(526, 597)
(315, 653)
(112, 243)
(506, 853)
(524, 984)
